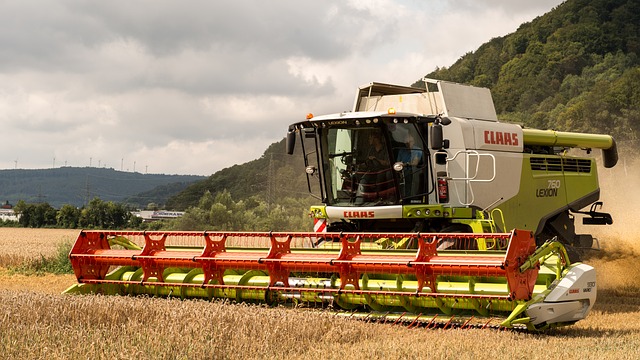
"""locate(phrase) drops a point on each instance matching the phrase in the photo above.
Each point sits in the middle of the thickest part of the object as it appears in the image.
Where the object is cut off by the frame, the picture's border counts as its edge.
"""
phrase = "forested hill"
(273, 177)
(78, 185)
(575, 68)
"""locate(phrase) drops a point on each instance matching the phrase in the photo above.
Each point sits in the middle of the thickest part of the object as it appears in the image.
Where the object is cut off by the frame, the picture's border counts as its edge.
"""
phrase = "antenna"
(40, 197)
(87, 193)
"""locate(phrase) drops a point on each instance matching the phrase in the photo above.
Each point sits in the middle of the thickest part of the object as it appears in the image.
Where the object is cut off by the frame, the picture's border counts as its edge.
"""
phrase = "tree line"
(213, 212)
(97, 214)
(221, 212)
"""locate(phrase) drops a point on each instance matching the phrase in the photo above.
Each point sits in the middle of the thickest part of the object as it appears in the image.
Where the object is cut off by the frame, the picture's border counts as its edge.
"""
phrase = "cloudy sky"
(191, 87)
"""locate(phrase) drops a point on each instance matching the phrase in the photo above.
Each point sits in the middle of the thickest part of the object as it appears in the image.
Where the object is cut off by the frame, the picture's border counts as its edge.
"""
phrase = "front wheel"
(454, 243)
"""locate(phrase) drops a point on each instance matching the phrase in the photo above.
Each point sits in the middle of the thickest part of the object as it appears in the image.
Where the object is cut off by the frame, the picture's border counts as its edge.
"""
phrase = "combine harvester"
(420, 188)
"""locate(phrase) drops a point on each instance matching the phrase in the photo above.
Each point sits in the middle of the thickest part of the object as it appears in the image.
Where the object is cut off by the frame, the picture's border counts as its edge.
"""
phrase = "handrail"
(469, 197)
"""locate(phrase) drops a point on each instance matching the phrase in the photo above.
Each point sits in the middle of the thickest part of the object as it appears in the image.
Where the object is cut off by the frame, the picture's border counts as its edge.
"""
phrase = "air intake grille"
(561, 164)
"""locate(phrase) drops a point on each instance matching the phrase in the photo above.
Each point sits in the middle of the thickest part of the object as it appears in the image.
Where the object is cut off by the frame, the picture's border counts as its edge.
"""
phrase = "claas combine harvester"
(432, 212)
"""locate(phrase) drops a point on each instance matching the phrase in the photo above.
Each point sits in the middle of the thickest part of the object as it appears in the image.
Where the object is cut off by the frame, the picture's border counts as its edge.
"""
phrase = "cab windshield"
(359, 163)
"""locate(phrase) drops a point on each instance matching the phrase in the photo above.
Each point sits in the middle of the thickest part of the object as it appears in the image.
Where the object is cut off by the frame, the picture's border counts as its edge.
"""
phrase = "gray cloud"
(194, 87)
(537, 7)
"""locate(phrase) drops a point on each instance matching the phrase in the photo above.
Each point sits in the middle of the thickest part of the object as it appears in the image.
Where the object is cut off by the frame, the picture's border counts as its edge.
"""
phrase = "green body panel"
(436, 211)
(547, 191)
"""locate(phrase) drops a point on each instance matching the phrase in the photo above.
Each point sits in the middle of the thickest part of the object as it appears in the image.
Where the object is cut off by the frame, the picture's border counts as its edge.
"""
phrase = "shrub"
(58, 263)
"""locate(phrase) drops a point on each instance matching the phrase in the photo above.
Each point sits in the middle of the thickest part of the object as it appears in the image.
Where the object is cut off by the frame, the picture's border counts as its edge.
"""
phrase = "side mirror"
(437, 138)
(291, 142)
(441, 158)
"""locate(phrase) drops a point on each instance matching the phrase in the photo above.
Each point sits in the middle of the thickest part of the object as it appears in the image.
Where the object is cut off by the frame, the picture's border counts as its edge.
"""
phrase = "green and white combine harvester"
(432, 212)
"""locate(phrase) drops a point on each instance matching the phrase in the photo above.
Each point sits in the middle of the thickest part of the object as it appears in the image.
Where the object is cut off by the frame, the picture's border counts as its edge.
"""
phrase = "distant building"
(150, 215)
(8, 214)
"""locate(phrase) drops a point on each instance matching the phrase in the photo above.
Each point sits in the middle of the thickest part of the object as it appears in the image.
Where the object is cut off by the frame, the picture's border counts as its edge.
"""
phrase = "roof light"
(310, 169)
(309, 116)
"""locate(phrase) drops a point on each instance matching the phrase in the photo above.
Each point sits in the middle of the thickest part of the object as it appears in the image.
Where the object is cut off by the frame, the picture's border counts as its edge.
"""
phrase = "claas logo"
(359, 214)
(500, 138)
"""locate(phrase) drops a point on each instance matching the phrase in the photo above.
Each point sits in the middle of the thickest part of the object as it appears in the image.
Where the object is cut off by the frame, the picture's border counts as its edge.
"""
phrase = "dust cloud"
(620, 193)
(617, 260)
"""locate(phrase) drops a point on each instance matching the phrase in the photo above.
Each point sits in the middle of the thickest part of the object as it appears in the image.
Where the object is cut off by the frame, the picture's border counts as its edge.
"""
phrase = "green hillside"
(76, 186)
(273, 176)
(575, 68)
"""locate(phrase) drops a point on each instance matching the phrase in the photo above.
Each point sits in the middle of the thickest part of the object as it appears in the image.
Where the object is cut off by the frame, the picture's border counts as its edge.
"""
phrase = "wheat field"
(37, 322)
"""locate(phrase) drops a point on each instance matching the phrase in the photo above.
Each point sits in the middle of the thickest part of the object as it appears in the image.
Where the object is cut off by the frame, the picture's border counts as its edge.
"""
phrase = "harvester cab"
(420, 191)
(438, 160)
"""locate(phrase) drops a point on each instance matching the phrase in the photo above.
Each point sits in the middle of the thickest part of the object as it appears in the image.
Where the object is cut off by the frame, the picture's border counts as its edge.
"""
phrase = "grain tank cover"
(438, 98)
(467, 101)
(380, 97)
